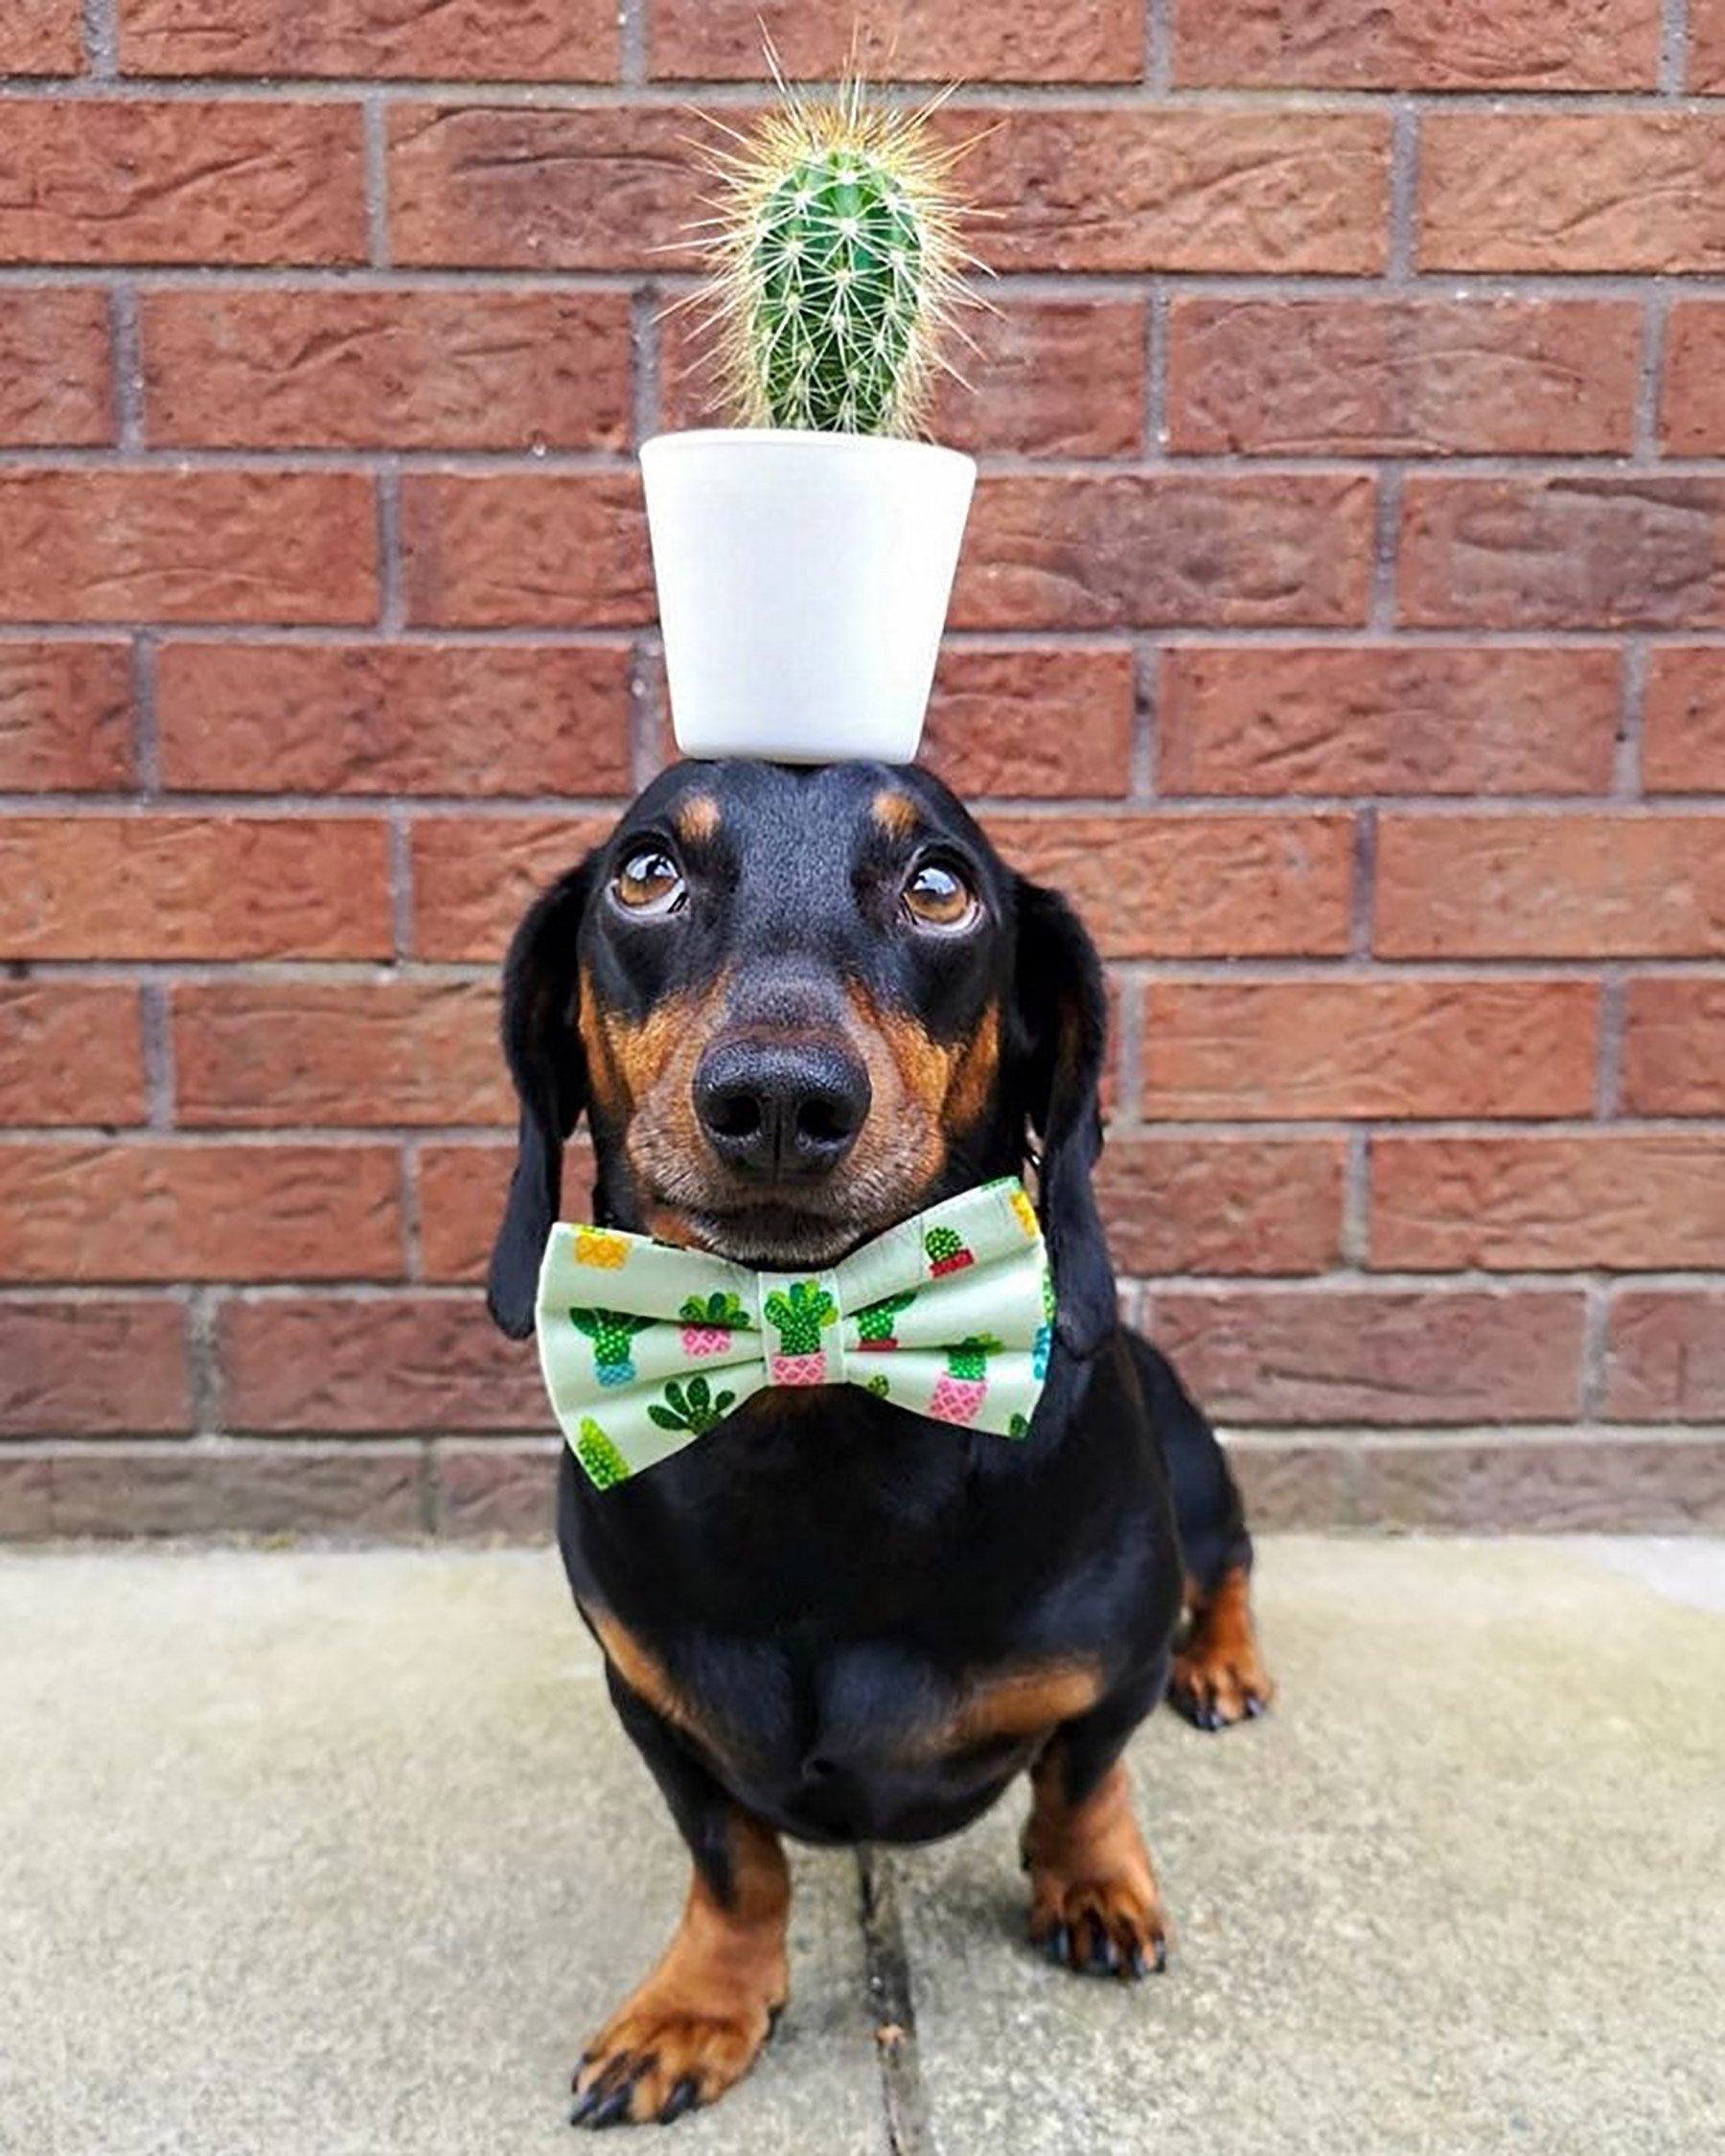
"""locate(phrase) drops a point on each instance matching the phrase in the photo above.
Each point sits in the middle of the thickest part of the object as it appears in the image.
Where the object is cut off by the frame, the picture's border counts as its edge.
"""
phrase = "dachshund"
(798, 1005)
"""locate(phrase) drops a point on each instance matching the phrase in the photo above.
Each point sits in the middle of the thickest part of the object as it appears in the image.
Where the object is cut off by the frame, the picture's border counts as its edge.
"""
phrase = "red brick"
(362, 1491)
(1376, 1356)
(1195, 886)
(1403, 377)
(1683, 737)
(65, 718)
(461, 1192)
(1114, 189)
(557, 550)
(1528, 1487)
(1027, 720)
(1666, 1355)
(1046, 377)
(174, 887)
(1356, 45)
(450, 719)
(1707, 45)
(1235, 190)
(1691, 407)
(1575, 553)
(596, 188)
(1153, 549)
(182, 179)
(55, 383)
(70, 1054)
(1547, 1202)
(181, 545)
(41, 38)
(1529, 886)
(253, 1056)
(713, 41)
(1227, 1204)
(1288, 1485)
(501, 40)
(399, 1363)
(1674, 1046)
(1222, 1050)
(497, 1491)
(461, 1189)
(1385, 719)
(471, 370)
(158, 1211)
(1571, 191)
(473, 877)
(67, 1368)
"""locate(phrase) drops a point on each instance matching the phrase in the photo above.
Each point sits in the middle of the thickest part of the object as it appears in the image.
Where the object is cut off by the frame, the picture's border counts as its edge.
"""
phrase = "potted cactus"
(804, 557)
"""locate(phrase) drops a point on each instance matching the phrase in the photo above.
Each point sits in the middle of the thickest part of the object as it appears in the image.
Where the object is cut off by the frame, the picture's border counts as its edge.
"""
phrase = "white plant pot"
(803, 581)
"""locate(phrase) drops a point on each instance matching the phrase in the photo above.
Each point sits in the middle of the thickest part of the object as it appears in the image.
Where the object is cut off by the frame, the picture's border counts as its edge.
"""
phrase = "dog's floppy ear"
(1062, 1014)
(541, 991)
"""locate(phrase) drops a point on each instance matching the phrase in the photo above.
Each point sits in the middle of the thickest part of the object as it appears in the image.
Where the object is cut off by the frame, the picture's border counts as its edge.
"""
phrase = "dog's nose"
(781, 1109)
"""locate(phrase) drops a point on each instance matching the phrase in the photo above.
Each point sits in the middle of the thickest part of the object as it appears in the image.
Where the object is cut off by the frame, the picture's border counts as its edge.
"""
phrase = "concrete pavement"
(342, 1853)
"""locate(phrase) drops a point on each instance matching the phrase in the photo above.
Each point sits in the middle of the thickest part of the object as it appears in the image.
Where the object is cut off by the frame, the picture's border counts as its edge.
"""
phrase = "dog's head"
(795, 1006)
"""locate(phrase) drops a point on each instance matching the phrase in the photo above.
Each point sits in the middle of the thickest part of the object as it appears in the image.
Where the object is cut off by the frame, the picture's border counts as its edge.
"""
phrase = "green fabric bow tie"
(645, 1347)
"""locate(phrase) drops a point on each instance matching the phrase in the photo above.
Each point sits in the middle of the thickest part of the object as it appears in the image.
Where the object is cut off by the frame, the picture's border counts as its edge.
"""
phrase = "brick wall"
(1343, 621)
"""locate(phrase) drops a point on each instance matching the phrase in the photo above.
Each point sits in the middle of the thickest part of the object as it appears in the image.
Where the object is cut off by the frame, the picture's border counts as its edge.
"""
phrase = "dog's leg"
(697, 2023)
(1219, 1675)
(1095, 1904)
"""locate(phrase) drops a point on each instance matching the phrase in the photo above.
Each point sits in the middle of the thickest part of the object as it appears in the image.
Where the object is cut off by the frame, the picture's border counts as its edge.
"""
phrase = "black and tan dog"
(795, 1007)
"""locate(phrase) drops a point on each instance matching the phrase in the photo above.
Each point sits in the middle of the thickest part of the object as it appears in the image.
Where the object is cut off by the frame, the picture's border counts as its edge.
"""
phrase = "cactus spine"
(834, 266)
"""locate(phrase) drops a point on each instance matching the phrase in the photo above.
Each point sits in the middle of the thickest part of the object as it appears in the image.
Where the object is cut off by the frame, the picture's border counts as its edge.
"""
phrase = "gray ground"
(343, 1853)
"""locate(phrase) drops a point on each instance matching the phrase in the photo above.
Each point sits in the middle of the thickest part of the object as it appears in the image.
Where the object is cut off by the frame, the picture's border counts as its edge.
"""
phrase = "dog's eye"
(938, 897)
(649, 882)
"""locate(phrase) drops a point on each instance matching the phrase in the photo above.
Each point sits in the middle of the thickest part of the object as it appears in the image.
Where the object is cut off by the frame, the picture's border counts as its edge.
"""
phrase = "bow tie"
(645, 1347)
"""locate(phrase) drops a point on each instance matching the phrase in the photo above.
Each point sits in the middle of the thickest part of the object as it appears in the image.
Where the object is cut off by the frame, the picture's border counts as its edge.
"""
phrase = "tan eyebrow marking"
(895, 813)
(698, 818)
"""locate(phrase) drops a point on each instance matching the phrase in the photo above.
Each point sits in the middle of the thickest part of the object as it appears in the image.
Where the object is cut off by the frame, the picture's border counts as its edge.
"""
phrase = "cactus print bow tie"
(645, 1347)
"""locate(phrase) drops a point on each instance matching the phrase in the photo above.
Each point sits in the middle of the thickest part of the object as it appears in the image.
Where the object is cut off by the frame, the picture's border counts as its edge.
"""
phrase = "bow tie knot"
(645, 1347)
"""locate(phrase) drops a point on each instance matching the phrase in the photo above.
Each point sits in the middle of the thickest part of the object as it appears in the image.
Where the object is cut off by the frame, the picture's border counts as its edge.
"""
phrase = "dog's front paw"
(1099, 1927)
(1218, 1676)
(665, 2054)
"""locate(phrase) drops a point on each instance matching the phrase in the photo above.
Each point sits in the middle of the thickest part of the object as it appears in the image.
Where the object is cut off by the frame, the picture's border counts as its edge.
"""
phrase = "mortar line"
(1159, 48)
(1596, 1330)
(1146, 693)
(1157, 430)
(147, 750)
(125, 344)
(1626, 766)
(401, 887)
(1608, 1078)
(377, 178)
(205, 1367)
(1655, 315)
(1404, 190)
(156, 1035)
(1673, 47)
(392, 578)
(101, 39)
(1381, 608)
(903, 2094)
(631, 44)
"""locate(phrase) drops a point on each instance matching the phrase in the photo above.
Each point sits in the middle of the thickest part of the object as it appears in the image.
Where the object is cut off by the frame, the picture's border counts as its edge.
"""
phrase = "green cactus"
(799, 1316)
(874, 1325)
(718, 1309)
(835, 259)
(691, 1406)
(946, 1251)
(604, 1465)
(969, 1358)
(610, 1332)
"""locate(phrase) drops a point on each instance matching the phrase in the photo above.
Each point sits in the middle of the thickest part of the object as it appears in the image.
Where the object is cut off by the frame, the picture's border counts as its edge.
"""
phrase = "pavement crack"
(909, 2130)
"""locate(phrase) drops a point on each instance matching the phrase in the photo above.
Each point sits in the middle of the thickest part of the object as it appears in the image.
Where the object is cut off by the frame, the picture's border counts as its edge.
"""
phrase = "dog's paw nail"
(1102, 1953)
(683, 2098)
(1255, 1706)
(1058, 1944)
(1162, 1957)
(1137, 1966)
(614, 2106)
